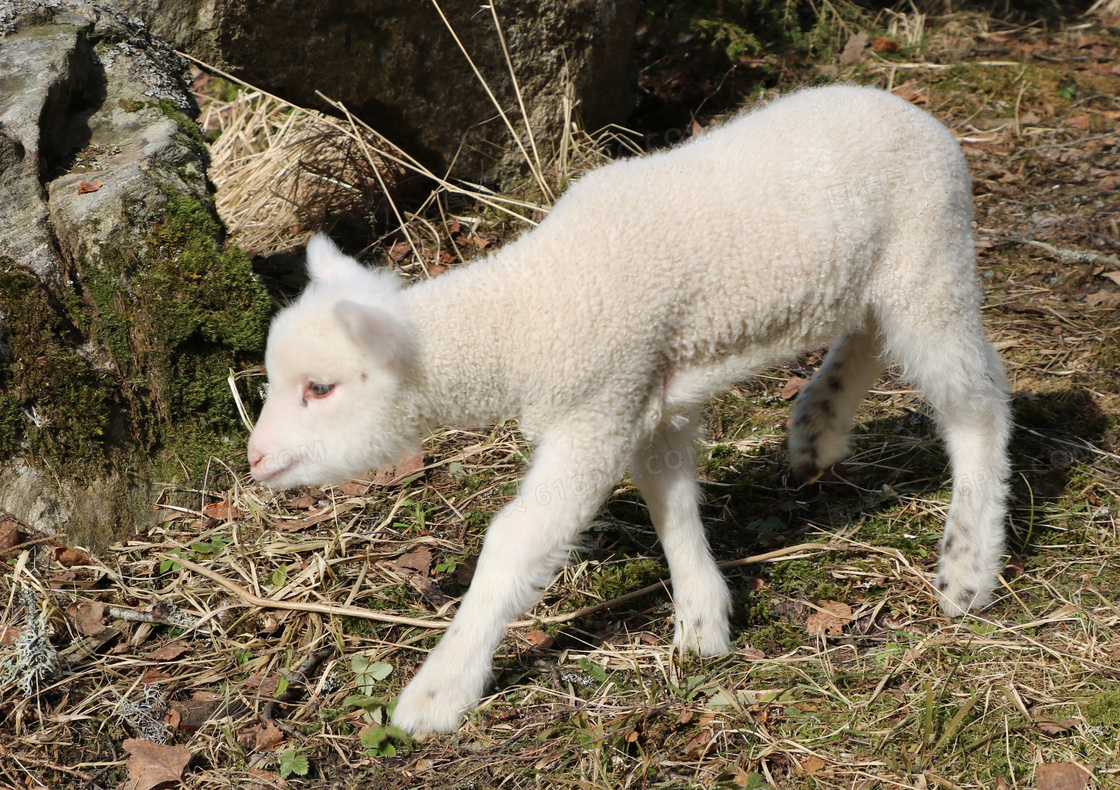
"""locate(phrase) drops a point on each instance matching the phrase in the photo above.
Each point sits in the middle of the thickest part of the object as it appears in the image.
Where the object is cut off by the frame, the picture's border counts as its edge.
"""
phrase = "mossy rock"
(120, 332)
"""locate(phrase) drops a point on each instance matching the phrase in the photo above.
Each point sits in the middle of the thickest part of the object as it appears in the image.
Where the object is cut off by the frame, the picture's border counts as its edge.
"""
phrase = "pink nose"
(255, 456)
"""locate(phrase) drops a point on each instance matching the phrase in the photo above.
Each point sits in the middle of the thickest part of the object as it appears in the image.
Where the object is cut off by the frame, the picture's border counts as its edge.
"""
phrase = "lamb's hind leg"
(663, 472)
(822, 416)
(962, 378)
(525, 543)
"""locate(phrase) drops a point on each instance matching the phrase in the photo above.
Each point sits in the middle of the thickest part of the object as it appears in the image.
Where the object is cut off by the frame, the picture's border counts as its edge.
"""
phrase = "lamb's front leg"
(525, 543)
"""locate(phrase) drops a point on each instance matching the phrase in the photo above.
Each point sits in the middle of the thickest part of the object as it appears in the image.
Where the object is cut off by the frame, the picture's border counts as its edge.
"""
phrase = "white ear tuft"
(376, 330)
(326, 262)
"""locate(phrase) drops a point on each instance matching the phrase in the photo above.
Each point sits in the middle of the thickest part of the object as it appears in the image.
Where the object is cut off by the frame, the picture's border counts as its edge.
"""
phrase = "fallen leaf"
(418, 559)
(831, 621)
(752, 654)
(261, 737)
(685, 717)
(193, 713)
(398, 251)
(152, 765)
(9, 634)
(697, 745)
(265, 685)
(1001, 783)
(853, 49)
(1062, 776)
(413, 465)
(911, 94)
(435, 269)
(9, 535)
(68, 557)
(1052, 727)
(155, 676)
(87, 616)
(1079, 122)
(1114, 276)
(792, 387)
(169, 652)
(540, 640)
(86, 187)
(812, 765)
(223, 511)
(884, 44)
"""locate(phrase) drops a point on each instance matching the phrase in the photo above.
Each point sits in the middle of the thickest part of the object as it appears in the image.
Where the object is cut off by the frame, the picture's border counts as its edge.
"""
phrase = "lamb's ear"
(377, 331)
(325, 261)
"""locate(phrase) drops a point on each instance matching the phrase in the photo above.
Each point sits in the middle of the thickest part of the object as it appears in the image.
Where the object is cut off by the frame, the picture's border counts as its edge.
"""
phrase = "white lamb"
(840, 213)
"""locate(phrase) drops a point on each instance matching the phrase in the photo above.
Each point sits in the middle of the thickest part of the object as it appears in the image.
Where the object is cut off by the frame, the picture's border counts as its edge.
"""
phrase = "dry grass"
(213, 614)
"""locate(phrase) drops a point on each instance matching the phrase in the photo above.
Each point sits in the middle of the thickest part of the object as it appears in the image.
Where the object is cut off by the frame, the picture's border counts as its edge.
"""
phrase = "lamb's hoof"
(808, 473)
(957, 600)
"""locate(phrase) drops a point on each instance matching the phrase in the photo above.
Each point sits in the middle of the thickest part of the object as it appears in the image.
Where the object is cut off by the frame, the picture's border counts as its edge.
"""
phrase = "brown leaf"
(752, 654)
(1114, 276)
(86, 187)
(9, 536)
(792, 387)
(831, 621)
(418, 559)
(412, 465)
(223, 511)
(853, 49)
(435, 269)
(261, 737)
(169, 652)
(265, 685)
(68, 557)
(911, 94)
(884, 44)
(398, 251)
(685, 717)
(540, 640)
(1062, 776)
(812, 765)
(1052, 727)
(1079, 122)
(152, 765)
(697, 745)
(1001, 783)
(303, 503)
(87, 616)
(193, 713)
(155, 676)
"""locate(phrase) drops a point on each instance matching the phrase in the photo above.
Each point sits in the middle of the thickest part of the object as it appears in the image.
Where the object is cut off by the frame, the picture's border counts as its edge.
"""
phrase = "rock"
(394, 64)
(121, 312)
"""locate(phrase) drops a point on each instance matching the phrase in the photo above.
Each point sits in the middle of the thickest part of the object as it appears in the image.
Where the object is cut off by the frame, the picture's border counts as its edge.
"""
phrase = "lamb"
(839, 213)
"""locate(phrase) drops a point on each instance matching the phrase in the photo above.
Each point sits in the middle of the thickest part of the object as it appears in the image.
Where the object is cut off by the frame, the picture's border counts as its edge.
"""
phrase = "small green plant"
(377, 738)
(292, 762)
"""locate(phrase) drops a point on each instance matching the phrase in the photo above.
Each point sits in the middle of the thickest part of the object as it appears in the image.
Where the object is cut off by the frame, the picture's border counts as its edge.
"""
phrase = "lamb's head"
(339, 361)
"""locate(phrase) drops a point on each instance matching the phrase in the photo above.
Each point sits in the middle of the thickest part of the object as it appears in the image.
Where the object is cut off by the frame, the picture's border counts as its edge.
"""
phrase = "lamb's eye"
(316, 390)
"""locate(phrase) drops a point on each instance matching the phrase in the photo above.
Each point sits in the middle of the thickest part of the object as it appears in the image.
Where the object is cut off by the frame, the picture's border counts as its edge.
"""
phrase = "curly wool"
(839, 213)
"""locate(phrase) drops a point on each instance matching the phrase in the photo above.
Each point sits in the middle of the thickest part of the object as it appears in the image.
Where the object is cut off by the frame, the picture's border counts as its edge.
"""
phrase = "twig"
(366, 614)
(298, 681)
(1078, 256)
(308, 606)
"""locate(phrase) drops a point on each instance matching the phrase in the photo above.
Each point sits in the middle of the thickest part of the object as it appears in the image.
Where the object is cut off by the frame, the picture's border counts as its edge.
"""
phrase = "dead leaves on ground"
(1062, 776)
(154, 766)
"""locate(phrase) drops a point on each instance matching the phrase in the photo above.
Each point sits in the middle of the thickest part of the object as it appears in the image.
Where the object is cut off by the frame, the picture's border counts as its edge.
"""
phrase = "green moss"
(191, 311)
(189, 127)
(1103, 711)
(54, 406)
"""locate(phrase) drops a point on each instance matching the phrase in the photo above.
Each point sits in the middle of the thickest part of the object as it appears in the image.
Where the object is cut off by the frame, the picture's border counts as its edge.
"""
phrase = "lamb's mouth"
(270, 475)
